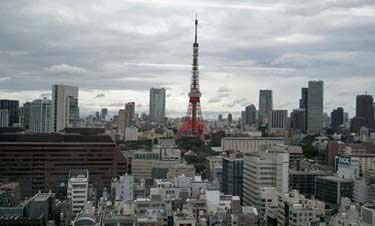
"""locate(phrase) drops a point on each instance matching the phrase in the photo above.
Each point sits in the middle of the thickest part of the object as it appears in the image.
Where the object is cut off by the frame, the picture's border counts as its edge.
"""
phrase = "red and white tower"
(193, 124)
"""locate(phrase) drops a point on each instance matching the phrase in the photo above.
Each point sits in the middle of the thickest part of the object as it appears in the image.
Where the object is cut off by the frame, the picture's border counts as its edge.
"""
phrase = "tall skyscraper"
(13, 111)
(25, 115)
(230, 118)
(65, 111)
(304, 98)
(337, 118)
(303, 102)
(157, 105)
(103, 113)
(40, 116)
(265, 107)
(364, 113)
(130, 109)
(315, 107)
(4, 118)
(251, 115)
(297, 120)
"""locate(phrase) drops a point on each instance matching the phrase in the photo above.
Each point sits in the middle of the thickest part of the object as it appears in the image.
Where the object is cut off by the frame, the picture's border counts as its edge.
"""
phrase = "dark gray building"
(13, 110)
(330, 190)
(251, 115)
(364, 113)
(337, 118)
(315, 107)
(298, 120)
(232, 176)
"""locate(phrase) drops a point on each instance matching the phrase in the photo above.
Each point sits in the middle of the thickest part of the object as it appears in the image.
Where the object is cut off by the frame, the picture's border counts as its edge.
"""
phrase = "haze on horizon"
(115, 51)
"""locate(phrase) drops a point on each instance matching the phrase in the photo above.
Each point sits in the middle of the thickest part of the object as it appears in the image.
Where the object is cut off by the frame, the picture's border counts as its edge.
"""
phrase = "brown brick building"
(42, 161)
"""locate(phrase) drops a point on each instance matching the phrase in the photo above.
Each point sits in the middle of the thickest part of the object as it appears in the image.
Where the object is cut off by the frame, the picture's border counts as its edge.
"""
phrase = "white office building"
(248, 144)
(264, 169)
(123, 188)
(157, 105)
(78, 187)
(40, 116)
(131, 133)
(315, 107)
(65, 111)
(4, 118)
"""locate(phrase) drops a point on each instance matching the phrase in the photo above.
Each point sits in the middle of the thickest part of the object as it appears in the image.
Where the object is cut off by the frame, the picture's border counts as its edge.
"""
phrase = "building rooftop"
(41, 197)
(335, 179)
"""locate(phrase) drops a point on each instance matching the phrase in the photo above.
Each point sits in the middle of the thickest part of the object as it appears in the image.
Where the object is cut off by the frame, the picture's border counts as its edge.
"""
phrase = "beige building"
(180, 169)
(248, 144)
(142, 164)
(296, 210)
(264, 170)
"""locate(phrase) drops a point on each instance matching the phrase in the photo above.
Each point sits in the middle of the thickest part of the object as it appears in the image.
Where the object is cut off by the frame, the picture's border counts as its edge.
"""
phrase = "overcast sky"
(115, 51)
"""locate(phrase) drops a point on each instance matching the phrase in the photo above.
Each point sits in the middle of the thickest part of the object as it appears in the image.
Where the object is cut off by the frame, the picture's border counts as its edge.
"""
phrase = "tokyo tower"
(193, 124)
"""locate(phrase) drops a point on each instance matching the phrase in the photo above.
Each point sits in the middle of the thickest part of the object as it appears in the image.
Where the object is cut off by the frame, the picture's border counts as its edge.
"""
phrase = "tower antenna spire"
(196, 27)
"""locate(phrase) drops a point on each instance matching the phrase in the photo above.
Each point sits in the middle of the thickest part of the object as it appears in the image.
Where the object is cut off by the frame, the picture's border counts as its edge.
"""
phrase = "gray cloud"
(100, 95)
(214, 100)
(241, 102)
(224, 90)
(133, 47)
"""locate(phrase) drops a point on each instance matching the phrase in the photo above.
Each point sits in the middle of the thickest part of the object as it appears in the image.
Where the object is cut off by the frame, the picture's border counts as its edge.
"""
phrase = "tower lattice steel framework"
(193, 123)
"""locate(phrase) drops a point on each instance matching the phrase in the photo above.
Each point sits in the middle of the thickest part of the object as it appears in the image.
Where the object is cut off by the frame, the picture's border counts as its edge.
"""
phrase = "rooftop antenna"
(196, 27)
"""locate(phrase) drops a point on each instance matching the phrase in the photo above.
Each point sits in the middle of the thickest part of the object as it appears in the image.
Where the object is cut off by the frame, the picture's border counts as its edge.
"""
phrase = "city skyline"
(113, 61)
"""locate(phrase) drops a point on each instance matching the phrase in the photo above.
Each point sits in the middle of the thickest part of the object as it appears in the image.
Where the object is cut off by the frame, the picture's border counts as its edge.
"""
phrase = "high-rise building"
(4, 118)
(297, 120)
(315, 107)
(103, 114)
(122, 122)
(303, 102)
(232, 176)
(251, 115)
(65, 111)
(346, 120)
(364, 113)
(78, 189)
(25, 112)
(130, 109)
(157, 104)
(337, 118)
(13, 111)
(40, 116)
(279, 120)
(230, 119)
(304, 98)
(264, 169)
(220, 118)
(265, 107)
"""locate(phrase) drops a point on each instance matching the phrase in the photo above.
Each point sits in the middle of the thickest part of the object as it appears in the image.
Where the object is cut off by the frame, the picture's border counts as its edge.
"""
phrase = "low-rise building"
(295, 210)
(331, 189)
